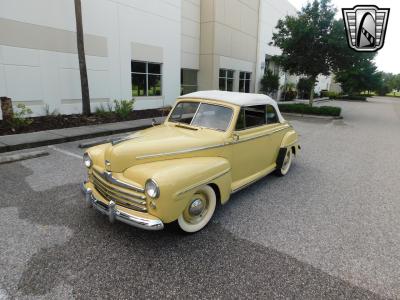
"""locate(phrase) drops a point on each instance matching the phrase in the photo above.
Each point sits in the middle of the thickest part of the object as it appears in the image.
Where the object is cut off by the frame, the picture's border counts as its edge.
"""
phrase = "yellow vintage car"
(212, 144)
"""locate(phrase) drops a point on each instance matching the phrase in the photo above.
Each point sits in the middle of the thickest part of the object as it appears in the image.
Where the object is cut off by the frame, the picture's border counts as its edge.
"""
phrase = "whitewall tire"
(199, 210)
(287, 162)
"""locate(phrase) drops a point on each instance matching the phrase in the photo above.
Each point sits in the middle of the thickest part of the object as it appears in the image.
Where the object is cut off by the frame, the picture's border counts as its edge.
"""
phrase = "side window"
(240, 121)
(251, 116)
(271, 115)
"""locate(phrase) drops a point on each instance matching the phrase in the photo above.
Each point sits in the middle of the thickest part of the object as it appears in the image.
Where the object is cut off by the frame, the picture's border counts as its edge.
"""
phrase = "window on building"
(251, 116)
(188, 81)
(244, 82)
(226, 78)
(271, 115)
(146, 78)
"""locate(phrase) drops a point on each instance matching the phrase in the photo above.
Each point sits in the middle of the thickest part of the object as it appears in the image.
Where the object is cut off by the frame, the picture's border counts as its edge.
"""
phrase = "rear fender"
(289, 141)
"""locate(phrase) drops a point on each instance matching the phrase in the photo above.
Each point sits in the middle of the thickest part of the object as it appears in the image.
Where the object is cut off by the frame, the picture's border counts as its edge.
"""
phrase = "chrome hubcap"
(196, 207)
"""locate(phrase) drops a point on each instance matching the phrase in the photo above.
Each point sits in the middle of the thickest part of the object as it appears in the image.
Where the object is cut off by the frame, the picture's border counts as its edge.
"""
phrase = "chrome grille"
(136, 201)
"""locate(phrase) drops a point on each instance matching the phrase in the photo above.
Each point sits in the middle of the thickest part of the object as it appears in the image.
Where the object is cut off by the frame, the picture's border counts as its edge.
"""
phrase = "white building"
(152, 50)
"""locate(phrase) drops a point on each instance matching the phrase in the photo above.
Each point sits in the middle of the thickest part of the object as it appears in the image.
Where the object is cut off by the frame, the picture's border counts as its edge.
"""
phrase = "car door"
(251, 141)
(255, 145)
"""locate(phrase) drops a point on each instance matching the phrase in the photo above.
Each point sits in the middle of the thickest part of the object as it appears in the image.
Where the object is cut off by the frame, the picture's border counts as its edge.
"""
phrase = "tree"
(82, 59)
(304, 87)
(304, 41)
(269, 83)
(355, 71)
(359, 77)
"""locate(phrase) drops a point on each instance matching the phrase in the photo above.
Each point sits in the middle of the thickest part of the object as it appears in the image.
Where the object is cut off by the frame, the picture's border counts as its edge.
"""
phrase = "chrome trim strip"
(107, 176)
(259, 136)
(114, 214)
(124, 139)
(180, 151)
(203, 182)
(251, 182)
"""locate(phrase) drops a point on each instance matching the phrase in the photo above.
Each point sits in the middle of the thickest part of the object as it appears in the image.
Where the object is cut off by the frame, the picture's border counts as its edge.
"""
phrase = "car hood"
(157, 143)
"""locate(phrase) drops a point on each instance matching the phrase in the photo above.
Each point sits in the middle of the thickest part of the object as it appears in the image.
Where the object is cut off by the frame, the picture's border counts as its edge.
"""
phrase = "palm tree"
(82, 59)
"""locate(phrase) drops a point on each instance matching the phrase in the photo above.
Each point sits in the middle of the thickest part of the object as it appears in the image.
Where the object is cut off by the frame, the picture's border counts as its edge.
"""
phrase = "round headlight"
(152, 189)
(87, 161)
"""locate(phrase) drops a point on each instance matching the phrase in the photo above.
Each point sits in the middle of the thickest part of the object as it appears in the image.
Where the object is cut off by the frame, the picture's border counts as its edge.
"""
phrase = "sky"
(388, 58)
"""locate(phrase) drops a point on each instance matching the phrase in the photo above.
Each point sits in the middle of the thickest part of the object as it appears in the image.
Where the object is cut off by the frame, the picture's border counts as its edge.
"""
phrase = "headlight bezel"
(87, 160)
(155, 188)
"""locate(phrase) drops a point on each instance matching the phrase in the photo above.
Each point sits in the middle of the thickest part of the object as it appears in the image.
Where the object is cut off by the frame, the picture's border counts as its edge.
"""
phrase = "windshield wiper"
(181, 125)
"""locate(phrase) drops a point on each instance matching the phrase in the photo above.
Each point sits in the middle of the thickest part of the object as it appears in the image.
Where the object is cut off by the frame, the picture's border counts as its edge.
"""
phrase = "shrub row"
(354, 97)
(302, 108)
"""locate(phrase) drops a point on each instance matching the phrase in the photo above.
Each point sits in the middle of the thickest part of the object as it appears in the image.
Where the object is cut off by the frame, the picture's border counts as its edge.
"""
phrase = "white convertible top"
(240, 99)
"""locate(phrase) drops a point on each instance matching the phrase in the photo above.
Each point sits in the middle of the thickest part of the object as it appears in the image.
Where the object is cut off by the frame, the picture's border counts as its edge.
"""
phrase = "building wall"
(38, 59)
(229, 32)
(269, 14)
(190, 34)
(39, 63)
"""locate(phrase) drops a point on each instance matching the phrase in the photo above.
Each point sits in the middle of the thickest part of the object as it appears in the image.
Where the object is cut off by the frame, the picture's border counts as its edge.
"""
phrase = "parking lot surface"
(330, 229)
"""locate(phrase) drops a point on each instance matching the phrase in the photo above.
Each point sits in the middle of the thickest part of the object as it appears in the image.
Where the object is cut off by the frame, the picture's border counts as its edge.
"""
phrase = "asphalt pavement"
(330, 229)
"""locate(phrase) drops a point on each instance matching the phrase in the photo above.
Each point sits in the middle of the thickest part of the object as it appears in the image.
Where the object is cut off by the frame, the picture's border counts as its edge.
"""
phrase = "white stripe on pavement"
(65, 152)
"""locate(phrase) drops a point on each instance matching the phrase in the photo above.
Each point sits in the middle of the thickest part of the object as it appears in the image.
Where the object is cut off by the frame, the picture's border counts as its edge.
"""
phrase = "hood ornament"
(108, 164)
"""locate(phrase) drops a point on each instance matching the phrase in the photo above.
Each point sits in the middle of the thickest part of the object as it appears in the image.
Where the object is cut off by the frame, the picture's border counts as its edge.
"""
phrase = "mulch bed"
(67, 121)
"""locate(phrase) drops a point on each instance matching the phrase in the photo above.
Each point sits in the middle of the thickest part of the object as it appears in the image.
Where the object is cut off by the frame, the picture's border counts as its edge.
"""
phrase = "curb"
(8, 148)
(313, 116)
(6, 159)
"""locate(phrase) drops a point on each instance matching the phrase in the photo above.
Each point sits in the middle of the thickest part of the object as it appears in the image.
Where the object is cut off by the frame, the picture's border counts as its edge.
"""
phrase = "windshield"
(202, 115)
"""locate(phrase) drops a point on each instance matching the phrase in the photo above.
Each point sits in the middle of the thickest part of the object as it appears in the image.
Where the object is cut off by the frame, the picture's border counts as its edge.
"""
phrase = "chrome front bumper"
(113, 213)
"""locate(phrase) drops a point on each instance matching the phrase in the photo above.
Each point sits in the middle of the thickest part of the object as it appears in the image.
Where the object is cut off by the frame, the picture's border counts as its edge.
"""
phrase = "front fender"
(178, 180)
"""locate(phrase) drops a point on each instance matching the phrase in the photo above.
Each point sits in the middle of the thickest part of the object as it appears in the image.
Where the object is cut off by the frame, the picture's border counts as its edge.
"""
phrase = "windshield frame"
(197, 110)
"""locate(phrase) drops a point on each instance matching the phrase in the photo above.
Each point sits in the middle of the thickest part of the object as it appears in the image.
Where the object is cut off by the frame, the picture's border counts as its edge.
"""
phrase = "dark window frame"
(276, 119)
(183, 84)
(242, 114)
(245, 79)
(228, 75)
(147, 74)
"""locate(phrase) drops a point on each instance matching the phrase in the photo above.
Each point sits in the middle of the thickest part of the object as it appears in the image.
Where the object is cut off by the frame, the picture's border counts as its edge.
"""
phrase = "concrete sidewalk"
(56, 136)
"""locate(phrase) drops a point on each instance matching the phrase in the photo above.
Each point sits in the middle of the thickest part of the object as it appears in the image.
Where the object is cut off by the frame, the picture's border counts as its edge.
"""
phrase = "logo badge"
(366, 27)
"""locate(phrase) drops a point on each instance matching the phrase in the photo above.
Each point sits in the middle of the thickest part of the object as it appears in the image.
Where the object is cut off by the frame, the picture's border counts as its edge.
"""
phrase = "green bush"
(354, 97)
(288, 92)
(103, 111)
(333, 95)
(48, 113)
(289, 95)
(269, 82)
(302, 108)
(21, 117)
(123, 108)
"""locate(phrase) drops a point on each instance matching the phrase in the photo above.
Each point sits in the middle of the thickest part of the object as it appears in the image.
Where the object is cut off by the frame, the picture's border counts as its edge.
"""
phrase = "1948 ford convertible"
(211, 145)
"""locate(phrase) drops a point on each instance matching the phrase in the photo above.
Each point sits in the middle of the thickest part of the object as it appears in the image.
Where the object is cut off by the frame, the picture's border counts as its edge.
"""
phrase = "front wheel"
(199, 210)
(287, 162)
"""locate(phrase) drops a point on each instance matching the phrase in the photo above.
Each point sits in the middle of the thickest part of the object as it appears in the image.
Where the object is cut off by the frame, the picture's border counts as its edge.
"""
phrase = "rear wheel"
(199, 210)
(287, 162)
